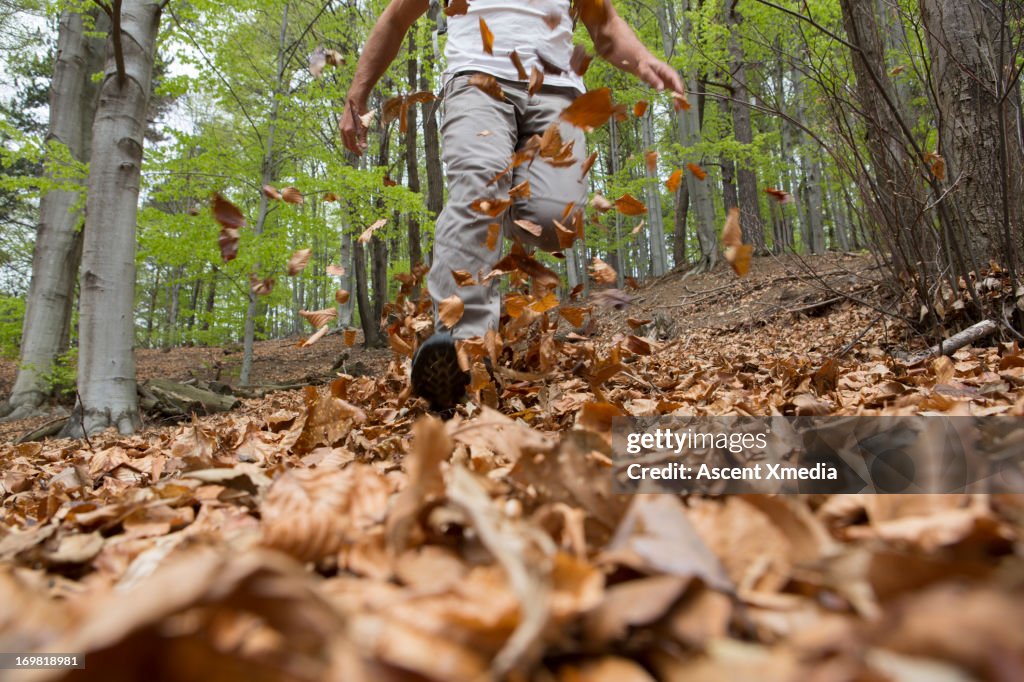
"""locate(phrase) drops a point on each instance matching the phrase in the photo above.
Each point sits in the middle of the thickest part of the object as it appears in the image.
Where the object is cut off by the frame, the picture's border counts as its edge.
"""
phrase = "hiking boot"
(436, 375)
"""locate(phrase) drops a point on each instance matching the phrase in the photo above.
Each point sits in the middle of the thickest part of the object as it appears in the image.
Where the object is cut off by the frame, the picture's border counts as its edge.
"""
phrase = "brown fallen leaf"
(590, 110)
(580, 60)
(491, 207)
(292, 195)
(368, 232)
(330, 197)
(602, 272)
(640, 108)
(493, 234)
(536, 81)
(349, 337)
(456, 8)
(260, 287)
(341, 296)
(335, 270)
(697, 171)
(487, 37)
(600, 203)
(226, 213)
(680, 102)
(449, 311)
(651, 158)
(463, 278)
(316, 336)
(627, 204)
(319, 318)
(737, 253)
(488, 84)
(297, 263)
(531, 227)
(518, 63)
(587, 165)
(271, 192)
(779, 195)
(674, 180)
(520, 191)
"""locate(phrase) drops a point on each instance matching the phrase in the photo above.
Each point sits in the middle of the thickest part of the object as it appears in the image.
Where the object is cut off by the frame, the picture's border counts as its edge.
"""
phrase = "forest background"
(892, 126)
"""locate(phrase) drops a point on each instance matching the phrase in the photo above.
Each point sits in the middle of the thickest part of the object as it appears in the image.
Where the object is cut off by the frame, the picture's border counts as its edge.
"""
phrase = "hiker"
(479, 136)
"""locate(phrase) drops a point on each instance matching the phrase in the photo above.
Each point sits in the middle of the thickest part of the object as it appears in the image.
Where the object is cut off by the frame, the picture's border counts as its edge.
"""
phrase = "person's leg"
(460, 238)
(552, 188)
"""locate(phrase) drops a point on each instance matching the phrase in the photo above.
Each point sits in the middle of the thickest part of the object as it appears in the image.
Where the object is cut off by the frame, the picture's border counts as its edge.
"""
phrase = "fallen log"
(972, 334)
(174, 399)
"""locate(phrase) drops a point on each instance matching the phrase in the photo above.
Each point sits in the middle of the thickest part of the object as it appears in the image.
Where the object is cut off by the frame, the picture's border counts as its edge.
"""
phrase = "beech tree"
(106, 335)
(58, 244)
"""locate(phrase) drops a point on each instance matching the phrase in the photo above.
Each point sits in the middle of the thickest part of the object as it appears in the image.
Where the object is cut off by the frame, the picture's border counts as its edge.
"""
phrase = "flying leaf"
(937, 164)
(674, 180)
(600, 203)
(636, 230)
(330, 197)
(367, 118)
(636, 323)
(549, 302)
(368, 232)
(349, 337)
(587, 165)
(591, 12)
(260, 287)
(487, 37)
(602, 272)
(334, 58)
(590, 110)
(388, 182)
(226, 213)
(697, 171)
(493, 233)
(449, 311)
(318, 318)
(520, 191)
(536, 81)
(639, 108)
(779, 195)
(531, 227)
(228, 242)
(565, 236)
(456, 8)
(335, 270)
(271, 192)
(680, 101)
(491, 207)
(341, 296)
(488, 84)
(574, 315)
(291, 195)
(518, 63)
(297, 263)
(463, 278)
(580, 60)
(737, 253)
(651, 158)
(317, 335)
(627, 204)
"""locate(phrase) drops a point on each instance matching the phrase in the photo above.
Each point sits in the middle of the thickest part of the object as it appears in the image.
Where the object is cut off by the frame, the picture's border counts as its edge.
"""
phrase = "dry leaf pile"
(343, 534)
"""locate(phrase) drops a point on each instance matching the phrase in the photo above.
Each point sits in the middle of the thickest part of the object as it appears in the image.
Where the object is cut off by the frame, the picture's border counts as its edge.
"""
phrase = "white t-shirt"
(517, 25)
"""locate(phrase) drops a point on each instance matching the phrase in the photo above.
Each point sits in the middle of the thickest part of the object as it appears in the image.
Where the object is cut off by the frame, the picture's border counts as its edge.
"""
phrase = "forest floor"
(340, 533)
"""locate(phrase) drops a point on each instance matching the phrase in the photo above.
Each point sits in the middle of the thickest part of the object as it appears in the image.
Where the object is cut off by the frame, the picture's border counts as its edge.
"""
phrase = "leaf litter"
(340, 532)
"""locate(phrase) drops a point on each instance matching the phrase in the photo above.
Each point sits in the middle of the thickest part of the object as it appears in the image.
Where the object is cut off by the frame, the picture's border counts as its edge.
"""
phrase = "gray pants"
(472, 160)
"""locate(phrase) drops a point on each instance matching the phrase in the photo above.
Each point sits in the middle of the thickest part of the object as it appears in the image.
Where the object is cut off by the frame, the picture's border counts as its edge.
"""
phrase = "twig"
(848, 347)
(81, 419)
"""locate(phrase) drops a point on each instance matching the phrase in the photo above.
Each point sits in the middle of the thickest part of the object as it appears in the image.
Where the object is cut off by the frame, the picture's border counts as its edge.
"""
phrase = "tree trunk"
(749, 202)
(267, 174)
(345, 281)
(211, 298)
(688, 126)
(656, 231)
(682, 201)
(58, 246)
(106, 364)
(432, 140)
(617, 255)
(411, 161)
(979, 137)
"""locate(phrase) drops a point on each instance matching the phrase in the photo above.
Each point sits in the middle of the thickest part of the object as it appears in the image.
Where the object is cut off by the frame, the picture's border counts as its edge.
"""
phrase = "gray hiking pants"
(472, 160)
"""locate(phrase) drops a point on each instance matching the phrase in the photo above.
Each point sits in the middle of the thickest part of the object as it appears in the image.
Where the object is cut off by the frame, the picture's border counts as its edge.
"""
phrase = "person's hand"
(353, 132)
(659, 75)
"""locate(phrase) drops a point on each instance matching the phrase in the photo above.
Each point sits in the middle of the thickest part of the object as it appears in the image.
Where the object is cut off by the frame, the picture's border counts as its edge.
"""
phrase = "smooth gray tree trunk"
(656, 226)
(106, 363)
(58, 247)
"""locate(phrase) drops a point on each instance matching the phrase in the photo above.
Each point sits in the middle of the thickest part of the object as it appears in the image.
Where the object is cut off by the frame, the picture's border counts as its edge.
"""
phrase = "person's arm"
(380, 50)
(616, 42)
